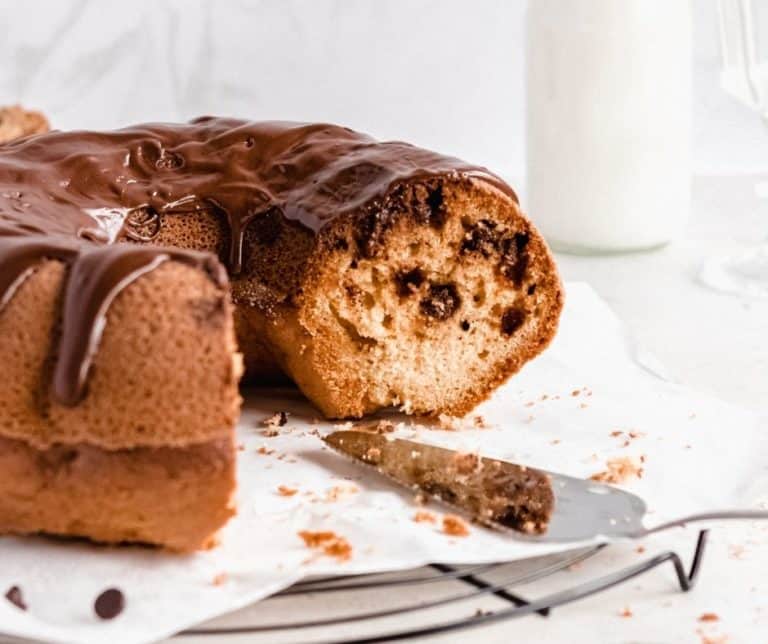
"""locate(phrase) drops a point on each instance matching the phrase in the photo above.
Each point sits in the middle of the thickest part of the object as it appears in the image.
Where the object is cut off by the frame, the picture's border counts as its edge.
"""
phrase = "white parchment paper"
(571, 410)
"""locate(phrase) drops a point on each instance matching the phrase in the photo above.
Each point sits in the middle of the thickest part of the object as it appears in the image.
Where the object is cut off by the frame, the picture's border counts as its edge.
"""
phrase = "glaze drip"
(71, 195)
(95, 276)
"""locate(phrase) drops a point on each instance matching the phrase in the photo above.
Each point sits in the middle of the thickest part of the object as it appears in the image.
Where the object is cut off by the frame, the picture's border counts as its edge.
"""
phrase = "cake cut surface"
(370, 274)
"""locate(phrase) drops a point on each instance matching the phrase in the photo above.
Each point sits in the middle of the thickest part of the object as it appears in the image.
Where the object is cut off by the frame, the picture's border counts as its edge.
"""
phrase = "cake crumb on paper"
(455, 526)
(479, 422)
(626, 612)
(327, 543)
(422, 516)
(220, 579)
(736, 551)
(339, 491)
(619, 470)
(712, 639)
(284, 490)
(278, 419)
(709, 617)
(450, 423)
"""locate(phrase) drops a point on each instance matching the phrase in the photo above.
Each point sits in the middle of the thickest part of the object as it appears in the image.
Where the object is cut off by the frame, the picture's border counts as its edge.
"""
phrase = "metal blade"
(536, 504)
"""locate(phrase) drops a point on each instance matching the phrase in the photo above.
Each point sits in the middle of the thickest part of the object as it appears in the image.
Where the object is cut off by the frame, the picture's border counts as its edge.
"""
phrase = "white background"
(445, 74)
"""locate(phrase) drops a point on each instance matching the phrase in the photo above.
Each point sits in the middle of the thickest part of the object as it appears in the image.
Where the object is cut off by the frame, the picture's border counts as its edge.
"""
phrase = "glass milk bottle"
(608, 122)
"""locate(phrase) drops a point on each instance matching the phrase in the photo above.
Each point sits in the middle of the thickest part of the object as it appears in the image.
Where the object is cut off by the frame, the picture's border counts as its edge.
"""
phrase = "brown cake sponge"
(165, 373)
(175, 497)
(424, 307)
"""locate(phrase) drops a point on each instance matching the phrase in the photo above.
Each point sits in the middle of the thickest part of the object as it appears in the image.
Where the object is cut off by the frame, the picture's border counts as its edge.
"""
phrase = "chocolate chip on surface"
(109, 604)
(15, 597)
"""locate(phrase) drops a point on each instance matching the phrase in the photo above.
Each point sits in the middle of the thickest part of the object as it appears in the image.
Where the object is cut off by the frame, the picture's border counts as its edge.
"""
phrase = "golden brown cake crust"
(175, 497)
(165, 374)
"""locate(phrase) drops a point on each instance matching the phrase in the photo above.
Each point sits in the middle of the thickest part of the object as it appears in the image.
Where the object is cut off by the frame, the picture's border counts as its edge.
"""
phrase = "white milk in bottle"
(608, 122)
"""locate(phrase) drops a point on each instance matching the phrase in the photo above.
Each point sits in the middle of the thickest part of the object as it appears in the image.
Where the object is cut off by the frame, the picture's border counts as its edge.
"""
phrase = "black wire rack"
(497, 580)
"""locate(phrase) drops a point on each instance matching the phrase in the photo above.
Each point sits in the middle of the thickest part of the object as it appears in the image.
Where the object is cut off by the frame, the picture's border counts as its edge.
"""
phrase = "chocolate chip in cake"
(408, 282)
(441, 302)
(531, 289)
(15, 597)
(464, 325)
(109, 604)
(371, 229)
(436, 206)
(512, 320)
(482, 238)
(514, 259)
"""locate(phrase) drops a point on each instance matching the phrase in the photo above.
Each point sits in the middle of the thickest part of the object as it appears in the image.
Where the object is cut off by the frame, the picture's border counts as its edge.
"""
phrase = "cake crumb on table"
(284, 490)
(619, 470)
(709, 617)
(455, 526)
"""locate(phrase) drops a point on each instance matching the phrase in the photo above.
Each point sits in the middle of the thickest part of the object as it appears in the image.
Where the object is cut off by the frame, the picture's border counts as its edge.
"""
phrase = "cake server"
(580, 509)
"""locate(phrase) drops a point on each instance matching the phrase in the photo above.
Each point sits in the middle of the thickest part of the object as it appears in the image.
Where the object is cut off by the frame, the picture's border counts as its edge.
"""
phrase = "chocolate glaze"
(68, 195)
(96, 274)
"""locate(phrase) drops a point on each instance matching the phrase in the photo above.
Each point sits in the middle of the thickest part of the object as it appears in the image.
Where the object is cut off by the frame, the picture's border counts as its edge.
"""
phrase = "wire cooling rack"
(479, 581)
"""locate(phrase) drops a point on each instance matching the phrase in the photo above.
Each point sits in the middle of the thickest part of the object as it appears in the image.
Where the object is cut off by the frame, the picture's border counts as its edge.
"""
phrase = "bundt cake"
(371, 274)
